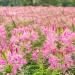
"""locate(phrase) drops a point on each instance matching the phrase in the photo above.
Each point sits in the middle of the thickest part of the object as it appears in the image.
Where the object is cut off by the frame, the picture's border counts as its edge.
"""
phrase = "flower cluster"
(45, 36)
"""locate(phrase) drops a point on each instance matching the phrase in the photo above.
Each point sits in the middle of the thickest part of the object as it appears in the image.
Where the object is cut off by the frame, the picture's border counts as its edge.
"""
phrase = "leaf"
(56, 72)
(9, 27)
(58, 44)
(36, 73)
(30, 68)
(1, 73)
(39, 42)
(8, 69)
(4, 55)
(72, 28)
(48, 71)
(59, 30)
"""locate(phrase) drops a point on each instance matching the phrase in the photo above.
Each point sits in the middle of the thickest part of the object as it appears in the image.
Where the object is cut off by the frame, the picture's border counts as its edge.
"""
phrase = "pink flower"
(66, 37)
(2, 32)
(68, 62)
(34, 36)
(2, 67)
(51, 38)
(16, 60)
(2, 62)
(3, 41)
(66, 74)
(35, 55)
(54, 62)
(7, 74)
(14, 39)
(14, 69)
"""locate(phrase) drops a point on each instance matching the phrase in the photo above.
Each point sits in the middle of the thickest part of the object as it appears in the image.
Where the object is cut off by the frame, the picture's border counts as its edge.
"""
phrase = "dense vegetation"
(37, 2)
(37, 40)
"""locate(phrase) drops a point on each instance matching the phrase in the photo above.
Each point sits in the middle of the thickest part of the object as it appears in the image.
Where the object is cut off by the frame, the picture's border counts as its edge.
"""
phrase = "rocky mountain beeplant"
(42, 44)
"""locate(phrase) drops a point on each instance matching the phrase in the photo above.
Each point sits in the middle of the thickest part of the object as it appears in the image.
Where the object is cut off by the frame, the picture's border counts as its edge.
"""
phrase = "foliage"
(37, 2)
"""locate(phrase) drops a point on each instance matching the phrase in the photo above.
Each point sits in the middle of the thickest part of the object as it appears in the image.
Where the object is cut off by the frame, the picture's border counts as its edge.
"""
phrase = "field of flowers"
(37, 40)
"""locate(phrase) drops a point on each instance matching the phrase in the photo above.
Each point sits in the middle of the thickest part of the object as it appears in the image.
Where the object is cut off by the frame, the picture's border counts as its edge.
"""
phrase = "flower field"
(37, 40)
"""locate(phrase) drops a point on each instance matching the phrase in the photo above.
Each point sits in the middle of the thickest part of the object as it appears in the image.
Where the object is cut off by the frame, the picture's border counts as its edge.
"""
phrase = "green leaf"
(72, 28)
(30, 68)
(39, 42)
(36, 73)
(8, 69)
(59, 30)
(48, 71)
(56, 72)
(58, 44)
(4, 55)
(9, 27)
(1, 73)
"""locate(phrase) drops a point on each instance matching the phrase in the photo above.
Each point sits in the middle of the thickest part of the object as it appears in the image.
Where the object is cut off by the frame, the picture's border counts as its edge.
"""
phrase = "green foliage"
(8, 69)
(30, 68)
(9, 28)
(58, 44)
(34, 69)
(68, 3)
(4, 55)
(48, 2)
(39, 42)
(1, 73)
(15, 2)
(59, 30)
(37, 2)
(56, 72)
(70, 71)
(72, 28)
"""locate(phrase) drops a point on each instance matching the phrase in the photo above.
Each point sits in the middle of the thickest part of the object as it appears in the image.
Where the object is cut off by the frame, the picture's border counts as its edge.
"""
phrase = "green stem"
(41, 69)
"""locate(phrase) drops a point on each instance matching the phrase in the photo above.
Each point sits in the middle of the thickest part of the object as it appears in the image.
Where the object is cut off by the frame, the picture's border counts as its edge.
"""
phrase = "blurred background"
(37, 2)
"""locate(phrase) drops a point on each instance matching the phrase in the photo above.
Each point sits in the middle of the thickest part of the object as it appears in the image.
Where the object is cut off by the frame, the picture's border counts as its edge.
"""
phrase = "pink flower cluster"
(8, 57)
(56, 23)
